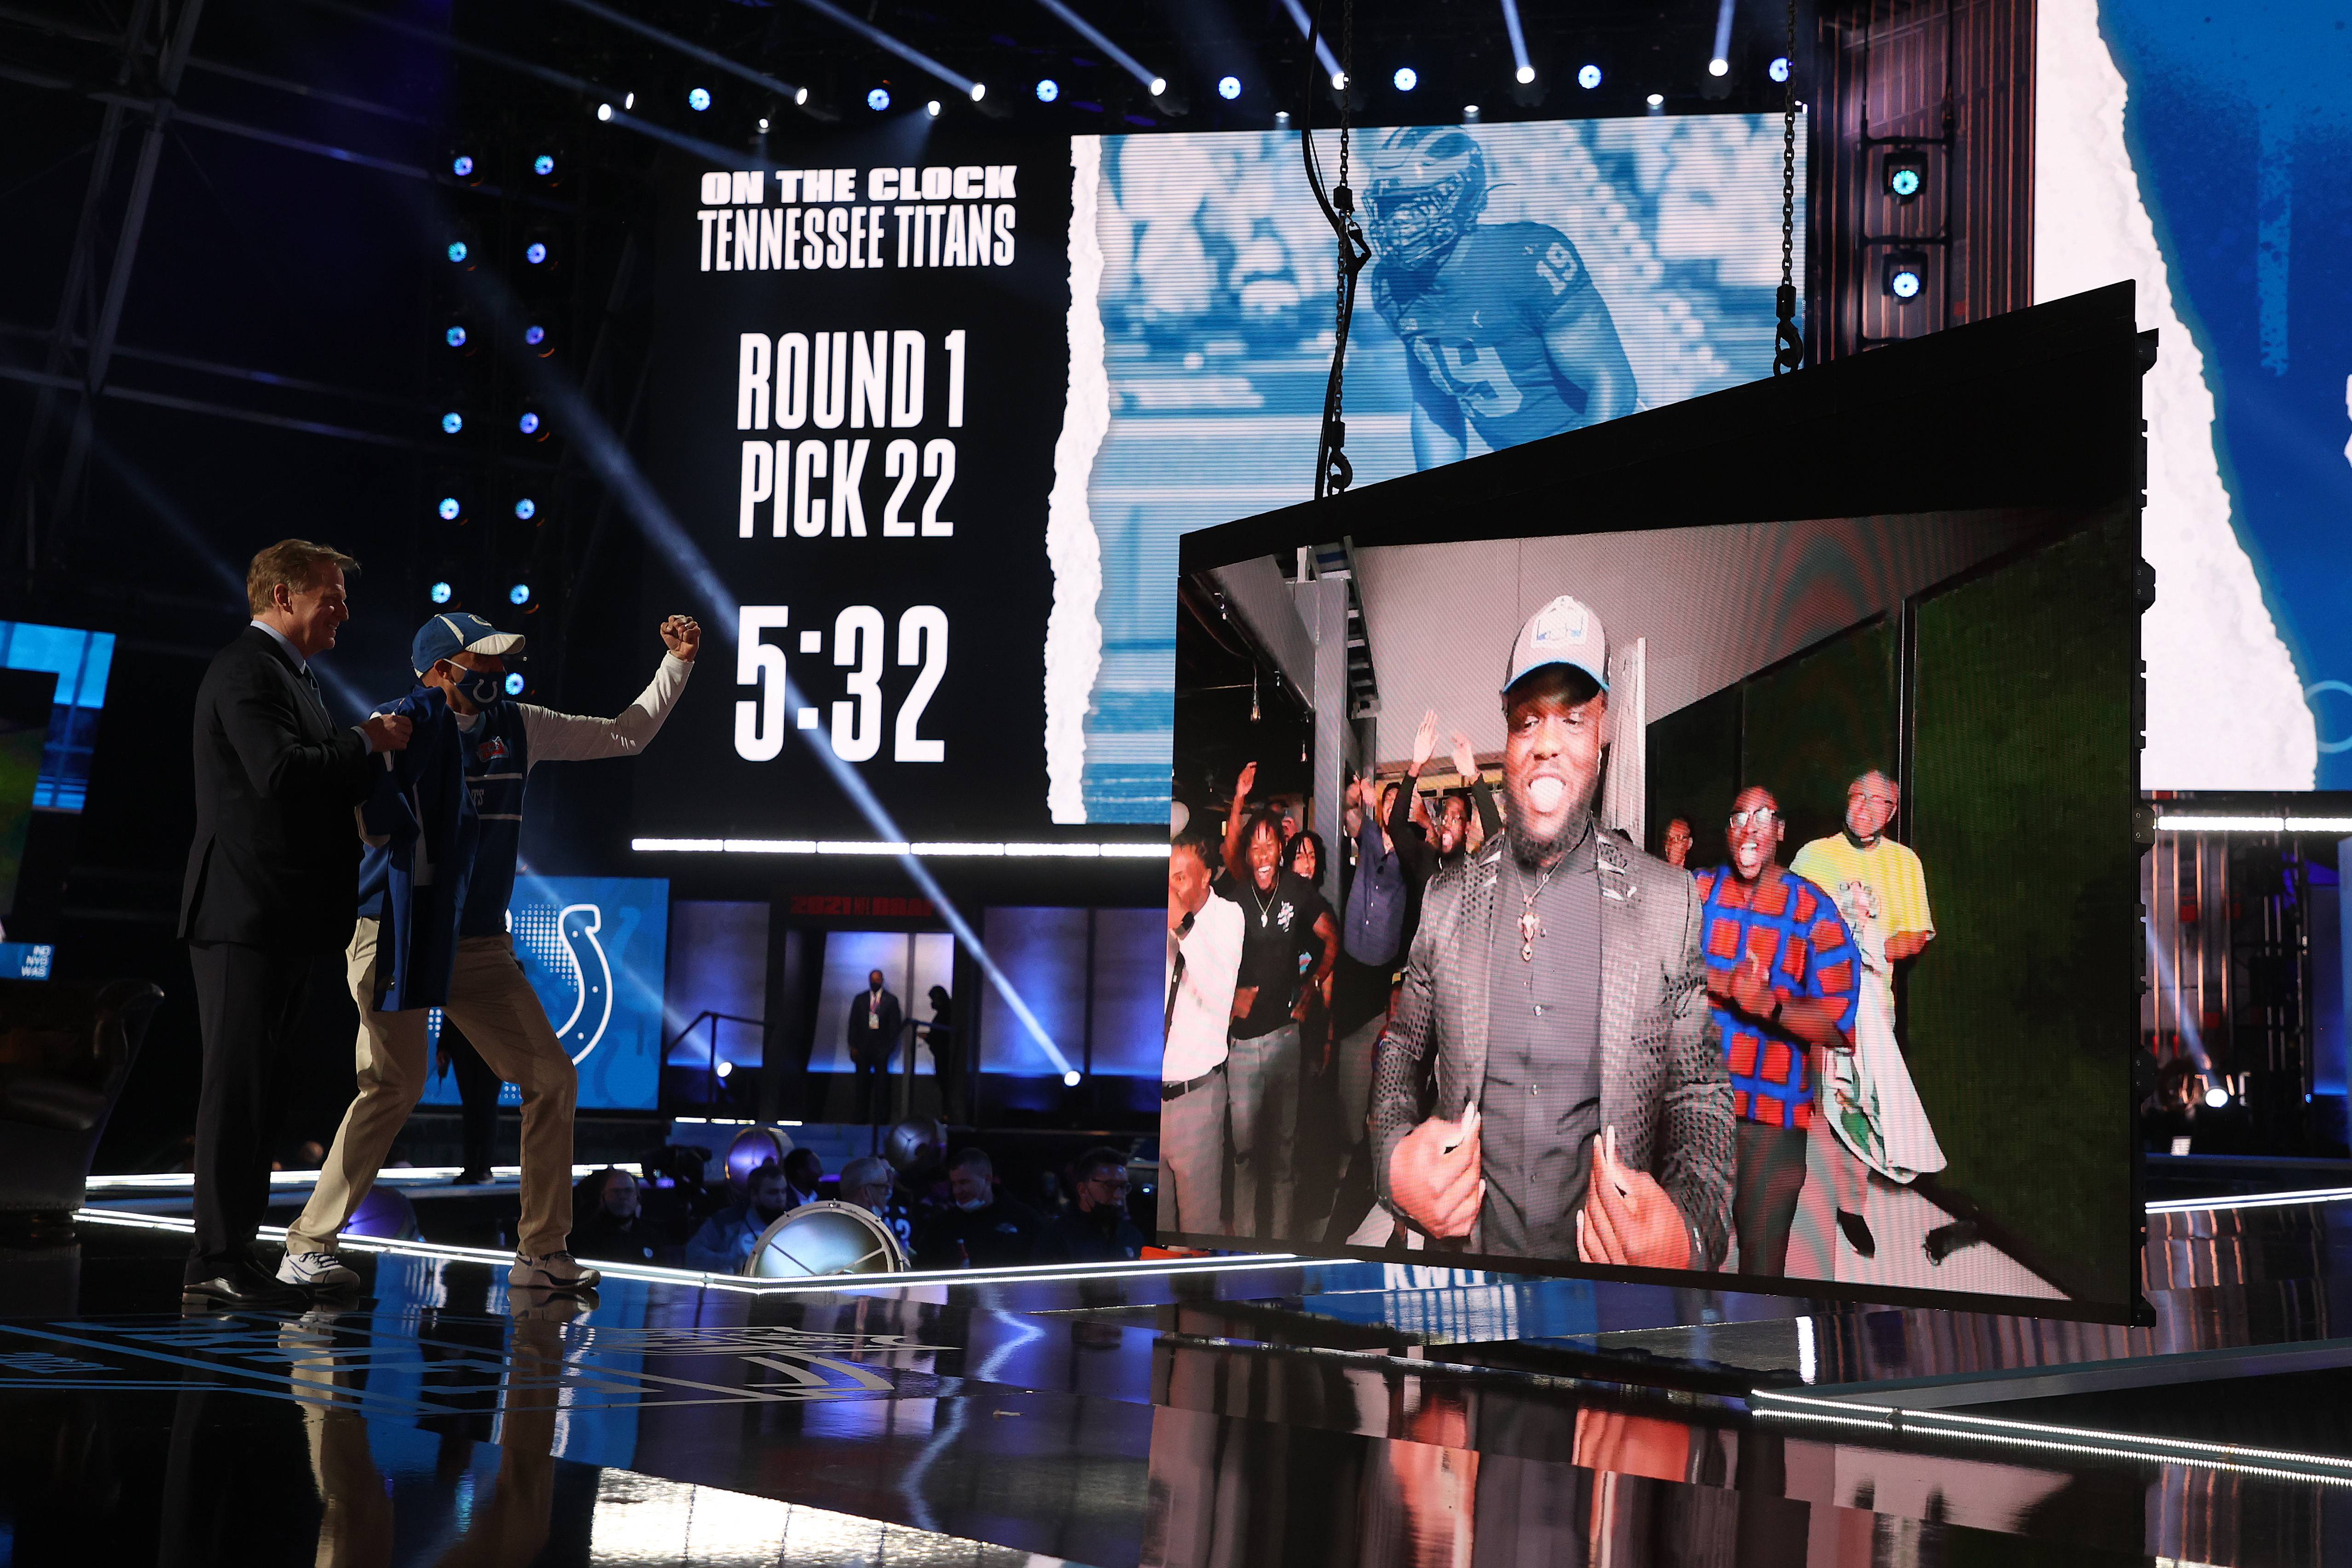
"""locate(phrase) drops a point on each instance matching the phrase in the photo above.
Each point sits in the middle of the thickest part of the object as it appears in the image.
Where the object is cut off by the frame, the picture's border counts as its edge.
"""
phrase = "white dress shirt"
(1204, 998)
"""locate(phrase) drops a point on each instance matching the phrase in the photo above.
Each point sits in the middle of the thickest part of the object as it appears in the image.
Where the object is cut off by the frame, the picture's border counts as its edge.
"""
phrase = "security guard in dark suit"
(271, 886)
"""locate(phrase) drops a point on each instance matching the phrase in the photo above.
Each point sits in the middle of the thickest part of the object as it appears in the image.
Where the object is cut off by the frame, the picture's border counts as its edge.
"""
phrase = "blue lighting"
(449, 509)
(526, 509)
(1588, 76)
(699, 100)
(452, 422)
(1071, 1078)
(514, 684)
(1779, 70)
(519, 595)
(462, 165)
(878, 99)
(528, 423)
(534, 336)
(535, 252)
(1048, 91)
(1904, 182)
(1406, 78)
(440, 593)
(1229, 87)
(458, 251)
(456, 336)
(542, 166)
(1904, 283)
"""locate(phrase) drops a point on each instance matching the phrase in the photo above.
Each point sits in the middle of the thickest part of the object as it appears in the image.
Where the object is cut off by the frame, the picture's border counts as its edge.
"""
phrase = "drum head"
(826, 1237)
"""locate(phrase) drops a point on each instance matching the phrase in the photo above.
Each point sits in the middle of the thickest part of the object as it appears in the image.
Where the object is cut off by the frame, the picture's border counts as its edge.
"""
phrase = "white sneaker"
(551, 1271)
(316, 1271)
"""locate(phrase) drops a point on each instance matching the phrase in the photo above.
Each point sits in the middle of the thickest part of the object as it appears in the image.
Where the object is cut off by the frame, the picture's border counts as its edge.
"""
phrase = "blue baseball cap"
(442, 636)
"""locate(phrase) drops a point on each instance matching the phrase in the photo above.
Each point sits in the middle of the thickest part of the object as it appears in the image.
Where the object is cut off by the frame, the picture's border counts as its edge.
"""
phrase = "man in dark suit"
(1583, 1105)
(874, 1020)
(271, 887)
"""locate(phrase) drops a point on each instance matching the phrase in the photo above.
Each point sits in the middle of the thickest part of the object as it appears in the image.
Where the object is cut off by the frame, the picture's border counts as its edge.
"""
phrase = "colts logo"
(490, 751)
(565, 944)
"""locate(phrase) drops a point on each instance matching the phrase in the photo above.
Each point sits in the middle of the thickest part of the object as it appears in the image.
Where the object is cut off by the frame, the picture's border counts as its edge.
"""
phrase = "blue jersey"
(1474, 324)
(421, 837)
(498, 759)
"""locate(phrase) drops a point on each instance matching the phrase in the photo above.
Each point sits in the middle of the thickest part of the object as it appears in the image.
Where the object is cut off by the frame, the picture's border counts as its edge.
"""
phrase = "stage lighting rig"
(525, 509)
(697, 99)
(1588, 76)
(465, 166)
(1907, 274)
(1406, 78)
(450, 509)
(1903, 172)
(515, 683)
(1524, 76)
(878, 99)
(530, 426)
(441, 592)
(456, 337)
(932, 109)
(541, 251)
(519, 595)
(1049, 90)
(539, 339)
(1779, 70)
(459, 249)
(1229, 87)
(453, 421)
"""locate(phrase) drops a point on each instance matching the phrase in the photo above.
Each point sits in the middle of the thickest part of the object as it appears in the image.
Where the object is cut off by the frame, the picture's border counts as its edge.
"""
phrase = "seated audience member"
(802, 1172)
(980, 1228)
(724, 1243)
(608, 1220)
(867, 1183)
(1099, 1230)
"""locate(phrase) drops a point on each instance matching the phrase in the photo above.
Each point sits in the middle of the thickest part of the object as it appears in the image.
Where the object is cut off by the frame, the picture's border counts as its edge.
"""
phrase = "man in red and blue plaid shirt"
(1784, 977)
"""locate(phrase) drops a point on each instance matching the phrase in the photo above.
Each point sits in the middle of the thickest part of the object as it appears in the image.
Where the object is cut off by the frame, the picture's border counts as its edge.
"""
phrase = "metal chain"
(1789, 350)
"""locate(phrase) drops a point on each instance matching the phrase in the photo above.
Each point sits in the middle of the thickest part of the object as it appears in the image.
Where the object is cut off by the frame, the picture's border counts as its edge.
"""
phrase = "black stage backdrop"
(891, 372)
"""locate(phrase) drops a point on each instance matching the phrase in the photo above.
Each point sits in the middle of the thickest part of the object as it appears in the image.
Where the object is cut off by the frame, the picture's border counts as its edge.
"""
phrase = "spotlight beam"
(1307, 29)
(1094, 35)
(461, 47)
(711, 58)
(1722, 31)
(609, 457)
(1519, 61)
(905, 51)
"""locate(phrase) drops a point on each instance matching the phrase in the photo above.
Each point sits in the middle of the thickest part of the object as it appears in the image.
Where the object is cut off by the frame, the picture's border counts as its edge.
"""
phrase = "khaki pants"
(491, 1001)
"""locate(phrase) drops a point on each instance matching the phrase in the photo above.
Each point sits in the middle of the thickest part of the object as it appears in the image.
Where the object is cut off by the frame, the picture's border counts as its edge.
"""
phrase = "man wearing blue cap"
(490, 998)
(1558, 986)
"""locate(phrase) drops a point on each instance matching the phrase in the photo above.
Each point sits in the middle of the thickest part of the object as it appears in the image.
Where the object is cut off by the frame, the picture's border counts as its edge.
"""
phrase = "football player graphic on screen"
(1502, 326)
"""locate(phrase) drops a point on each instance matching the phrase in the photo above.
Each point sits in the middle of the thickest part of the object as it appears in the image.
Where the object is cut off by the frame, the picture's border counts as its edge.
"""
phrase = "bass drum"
(823, 1238)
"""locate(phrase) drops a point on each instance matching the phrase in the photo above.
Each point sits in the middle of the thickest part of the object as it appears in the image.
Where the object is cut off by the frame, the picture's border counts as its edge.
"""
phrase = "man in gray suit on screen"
(1582, 1109)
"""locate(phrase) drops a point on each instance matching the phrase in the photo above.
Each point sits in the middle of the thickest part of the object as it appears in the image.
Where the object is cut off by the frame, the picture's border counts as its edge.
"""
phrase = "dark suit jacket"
(1663, 1082)
(277, 855)
(870, 1046)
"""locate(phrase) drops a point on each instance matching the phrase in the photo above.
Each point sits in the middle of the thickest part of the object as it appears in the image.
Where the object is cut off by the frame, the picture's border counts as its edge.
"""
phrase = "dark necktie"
(1176, 976)
(311, 682)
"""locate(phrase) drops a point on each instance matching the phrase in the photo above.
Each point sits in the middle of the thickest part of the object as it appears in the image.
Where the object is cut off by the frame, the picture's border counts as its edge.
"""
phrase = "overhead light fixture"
(2216, 1098)
(878, 99)
(932, 109)
(1779, 70)
(1718, 66)
(1152, 81)
(799, 96)
(898, 46)
(604, 111)
(1307, 30)
(1071, 1078)
(628, 101)
(1525, 71)
(1229, 87)
(452, 423)
(1588, 76)
(526, 509)
(454, 337)
(1339, 82)
(1469, 112)
(440, 593)
(697, 99)
(979, 90)
(1406, 78)
(451, 509)
(1049, 90)
(1907, 275)
(763, 123)
(1282, 117)
(519, 595)
(1903, 172)
(514, 683)
(1657, 100)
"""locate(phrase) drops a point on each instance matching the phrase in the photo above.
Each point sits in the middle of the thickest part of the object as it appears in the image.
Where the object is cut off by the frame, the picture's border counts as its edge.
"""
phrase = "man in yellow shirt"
(1881, 891)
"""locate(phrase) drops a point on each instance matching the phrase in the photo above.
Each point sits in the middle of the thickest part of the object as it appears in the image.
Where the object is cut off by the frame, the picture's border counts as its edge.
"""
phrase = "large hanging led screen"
(932, 418)
(1748, 902)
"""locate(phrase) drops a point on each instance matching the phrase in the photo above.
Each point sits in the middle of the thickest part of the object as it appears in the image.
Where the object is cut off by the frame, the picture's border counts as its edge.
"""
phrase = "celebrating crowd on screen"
(1532, 1038)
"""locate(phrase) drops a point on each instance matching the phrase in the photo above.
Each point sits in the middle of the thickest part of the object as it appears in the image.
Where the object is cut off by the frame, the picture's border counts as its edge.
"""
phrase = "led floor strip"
(1041, 1273)
(398, 1175)
(2254, 1201)
(921, 851)
(2138, 1446)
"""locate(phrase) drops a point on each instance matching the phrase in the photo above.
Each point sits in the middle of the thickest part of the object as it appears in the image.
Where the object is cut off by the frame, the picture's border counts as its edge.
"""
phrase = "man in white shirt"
(489, 997)
(1205, 957)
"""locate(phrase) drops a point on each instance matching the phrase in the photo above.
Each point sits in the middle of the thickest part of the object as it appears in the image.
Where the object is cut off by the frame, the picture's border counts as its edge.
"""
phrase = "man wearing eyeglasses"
(1782, 973)
(1100, 1230)
(1582, 1109)
(1881, 891)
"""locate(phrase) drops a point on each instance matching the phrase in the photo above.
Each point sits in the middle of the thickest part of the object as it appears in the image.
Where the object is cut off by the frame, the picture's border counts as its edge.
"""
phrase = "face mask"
(968, 1204)
(481, 688)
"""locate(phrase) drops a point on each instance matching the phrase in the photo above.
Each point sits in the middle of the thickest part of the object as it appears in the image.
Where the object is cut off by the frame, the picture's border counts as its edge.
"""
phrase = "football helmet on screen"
(1428, 188)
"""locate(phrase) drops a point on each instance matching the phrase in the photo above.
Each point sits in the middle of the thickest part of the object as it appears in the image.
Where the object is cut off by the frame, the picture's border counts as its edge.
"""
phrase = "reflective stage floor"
(1236, 1412)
